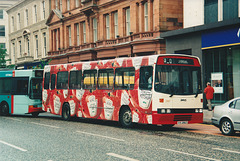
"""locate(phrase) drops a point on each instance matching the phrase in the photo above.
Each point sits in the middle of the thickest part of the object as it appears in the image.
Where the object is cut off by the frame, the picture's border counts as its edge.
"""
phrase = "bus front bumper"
(180, 118)
(33, 109)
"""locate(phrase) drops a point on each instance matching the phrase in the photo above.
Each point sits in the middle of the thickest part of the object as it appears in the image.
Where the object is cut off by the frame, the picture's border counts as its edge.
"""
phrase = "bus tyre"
(4, 109)
(168, 125)
(126, 117)
(66, 112)
(35, 114)
(226, 127)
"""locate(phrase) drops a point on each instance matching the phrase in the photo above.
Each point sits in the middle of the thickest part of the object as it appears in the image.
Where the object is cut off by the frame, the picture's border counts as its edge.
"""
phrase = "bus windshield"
(36, 88)
(177, 80)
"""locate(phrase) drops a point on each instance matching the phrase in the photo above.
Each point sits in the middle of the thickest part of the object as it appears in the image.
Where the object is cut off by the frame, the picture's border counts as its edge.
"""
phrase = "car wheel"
(226, 127)
(66, 112)
(126, 117)
(4, 109)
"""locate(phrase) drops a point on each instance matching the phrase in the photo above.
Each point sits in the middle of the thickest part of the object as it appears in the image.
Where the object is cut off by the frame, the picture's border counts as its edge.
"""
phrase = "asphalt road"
(48, 138)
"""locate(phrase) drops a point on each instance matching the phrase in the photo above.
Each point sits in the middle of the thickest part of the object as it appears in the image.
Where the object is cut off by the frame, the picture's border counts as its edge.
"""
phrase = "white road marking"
(45, 125)
(100, 136)
(13, 146)
(121, 157)
(226, 150)
(198, 156)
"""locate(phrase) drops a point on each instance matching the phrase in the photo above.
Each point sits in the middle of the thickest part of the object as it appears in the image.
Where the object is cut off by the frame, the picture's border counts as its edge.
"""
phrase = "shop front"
(221, 62)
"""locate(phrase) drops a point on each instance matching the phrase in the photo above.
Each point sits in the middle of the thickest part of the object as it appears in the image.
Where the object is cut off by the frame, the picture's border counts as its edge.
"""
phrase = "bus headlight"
(196, 110)
(168, 111)
(163, 111)
(201, 110)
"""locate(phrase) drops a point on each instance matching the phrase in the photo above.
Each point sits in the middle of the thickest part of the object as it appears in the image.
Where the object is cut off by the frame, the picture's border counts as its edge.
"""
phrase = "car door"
(235, 114)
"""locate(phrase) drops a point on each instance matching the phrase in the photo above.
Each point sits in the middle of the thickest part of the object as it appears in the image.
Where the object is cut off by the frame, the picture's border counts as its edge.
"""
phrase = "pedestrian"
(209, 95)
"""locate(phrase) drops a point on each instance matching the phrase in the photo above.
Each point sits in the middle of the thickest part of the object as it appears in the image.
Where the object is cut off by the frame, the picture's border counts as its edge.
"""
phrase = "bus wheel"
(35, 114)
(66, 112)
(4, 109)
(126, 117)
(168, 125)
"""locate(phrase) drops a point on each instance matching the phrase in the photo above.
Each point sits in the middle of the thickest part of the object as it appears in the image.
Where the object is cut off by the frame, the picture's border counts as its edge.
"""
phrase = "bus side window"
(90, 79)
(62, 80)
(46, 80)
(105, 78)
(75, 79)
(53, 80)
(124, 78)
(146, 77)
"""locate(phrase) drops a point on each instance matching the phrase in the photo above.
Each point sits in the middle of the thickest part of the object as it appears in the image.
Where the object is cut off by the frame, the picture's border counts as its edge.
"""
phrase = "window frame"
(124, 86)
(64, 82)
(108, 78)
(90, 86)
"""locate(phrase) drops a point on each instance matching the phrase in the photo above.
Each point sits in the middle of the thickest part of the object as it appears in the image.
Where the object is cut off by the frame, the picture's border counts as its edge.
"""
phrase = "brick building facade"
(100, 29)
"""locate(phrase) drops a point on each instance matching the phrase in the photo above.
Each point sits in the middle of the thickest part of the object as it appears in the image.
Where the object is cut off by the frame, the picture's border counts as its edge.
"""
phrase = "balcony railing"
(107, 43)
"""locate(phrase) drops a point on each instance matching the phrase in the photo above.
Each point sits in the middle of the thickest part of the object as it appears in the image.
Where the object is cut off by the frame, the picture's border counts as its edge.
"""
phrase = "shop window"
(105, 78)
(62, 80)
(124, 78)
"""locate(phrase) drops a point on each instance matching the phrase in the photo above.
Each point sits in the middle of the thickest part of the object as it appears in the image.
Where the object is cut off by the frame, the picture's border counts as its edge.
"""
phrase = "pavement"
(207, 115)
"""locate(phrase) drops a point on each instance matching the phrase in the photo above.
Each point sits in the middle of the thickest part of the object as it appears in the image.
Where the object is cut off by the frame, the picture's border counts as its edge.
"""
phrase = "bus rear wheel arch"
(4, 109)
(125, 117)
(66, 112)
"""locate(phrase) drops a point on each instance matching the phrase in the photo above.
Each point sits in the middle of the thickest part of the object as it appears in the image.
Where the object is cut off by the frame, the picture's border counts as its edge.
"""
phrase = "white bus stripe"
(121, 157)
(198, 156)
(230, 151)
(100, 136)
(13, 146)
(45, 125)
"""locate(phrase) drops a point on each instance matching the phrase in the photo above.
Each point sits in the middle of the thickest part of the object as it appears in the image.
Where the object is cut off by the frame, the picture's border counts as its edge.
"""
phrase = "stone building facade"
(83, 30)
(28, 32)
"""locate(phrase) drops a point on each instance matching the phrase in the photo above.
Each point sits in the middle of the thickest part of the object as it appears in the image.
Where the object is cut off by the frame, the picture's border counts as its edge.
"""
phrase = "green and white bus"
(21, 92)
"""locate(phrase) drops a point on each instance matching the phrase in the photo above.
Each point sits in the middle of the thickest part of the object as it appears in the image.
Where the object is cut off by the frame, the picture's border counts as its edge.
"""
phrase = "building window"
(20, 48)
(27, 43)
(146, 16)
(68, 4)
(44, 44)
(56, 4)
(69, 36)
(210, 11)
(127, 21)
(1, 14)
(95, 38)
(26, 17)
(60, 5)
(77, 3)
(56, 39)
(35, 13)
(107, 26)
(2, 45)
(44, 11)
(19, 21)
(77, 34)
(2, 30)
(83, 27)
(36, 46)
(230, 9)
(13, 53)
(115, 24)
(12, 24)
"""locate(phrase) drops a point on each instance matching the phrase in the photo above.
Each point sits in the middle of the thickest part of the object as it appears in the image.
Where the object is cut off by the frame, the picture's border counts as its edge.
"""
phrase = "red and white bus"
(158, 89)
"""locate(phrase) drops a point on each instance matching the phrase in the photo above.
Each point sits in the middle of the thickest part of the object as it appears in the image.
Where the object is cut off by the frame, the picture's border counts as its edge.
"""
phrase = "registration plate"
(182, 122)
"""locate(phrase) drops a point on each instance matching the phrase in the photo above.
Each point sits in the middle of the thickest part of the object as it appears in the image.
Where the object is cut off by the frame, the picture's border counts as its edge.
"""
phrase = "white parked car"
(227, 116)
